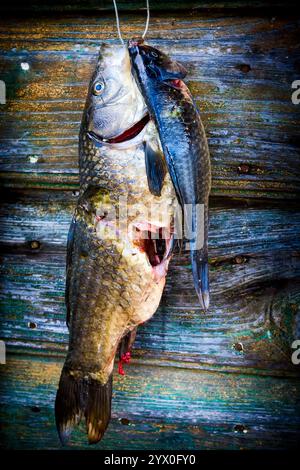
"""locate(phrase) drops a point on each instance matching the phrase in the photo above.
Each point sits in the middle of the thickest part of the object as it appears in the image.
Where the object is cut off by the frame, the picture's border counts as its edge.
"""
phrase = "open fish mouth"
(126, 136)
(155, 242)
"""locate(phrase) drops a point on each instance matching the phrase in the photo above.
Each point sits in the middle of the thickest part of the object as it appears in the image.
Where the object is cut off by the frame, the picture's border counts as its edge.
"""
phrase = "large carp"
(119, 241)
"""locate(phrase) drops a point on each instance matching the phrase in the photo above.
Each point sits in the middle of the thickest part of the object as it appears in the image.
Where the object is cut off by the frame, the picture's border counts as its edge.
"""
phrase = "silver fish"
(184, 144)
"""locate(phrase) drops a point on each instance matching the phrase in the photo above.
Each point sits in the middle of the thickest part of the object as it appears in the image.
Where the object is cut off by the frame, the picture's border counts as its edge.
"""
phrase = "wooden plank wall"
(223, 380)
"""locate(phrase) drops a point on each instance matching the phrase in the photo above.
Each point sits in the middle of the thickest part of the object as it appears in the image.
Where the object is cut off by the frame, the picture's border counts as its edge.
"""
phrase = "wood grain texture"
(196, 381)
(254, 262)
(160, 408)
(264, 320)
(244, 95)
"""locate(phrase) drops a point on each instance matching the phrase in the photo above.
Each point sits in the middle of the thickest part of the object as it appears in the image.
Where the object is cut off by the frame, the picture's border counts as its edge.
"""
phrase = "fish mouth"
(155, 242)
(126, 136)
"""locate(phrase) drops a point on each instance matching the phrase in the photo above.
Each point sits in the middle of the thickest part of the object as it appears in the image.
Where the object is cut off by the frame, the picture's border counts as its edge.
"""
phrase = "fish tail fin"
(201, 276)
(98, 409)
(78, 397)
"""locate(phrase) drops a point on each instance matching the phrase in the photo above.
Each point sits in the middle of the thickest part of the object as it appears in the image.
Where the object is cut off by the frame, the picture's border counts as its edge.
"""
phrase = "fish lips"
(127, 136)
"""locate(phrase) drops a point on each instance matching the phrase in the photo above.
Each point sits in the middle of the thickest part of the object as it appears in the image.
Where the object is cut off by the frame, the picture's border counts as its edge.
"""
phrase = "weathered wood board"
(246, 268)
(153, 410)
(194, 378)
(243, 92)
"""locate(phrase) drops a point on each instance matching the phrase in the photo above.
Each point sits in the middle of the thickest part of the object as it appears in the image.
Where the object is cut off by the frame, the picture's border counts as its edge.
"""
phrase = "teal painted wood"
(262, 319)
(157, 408)
(196, 381)
(254, 263)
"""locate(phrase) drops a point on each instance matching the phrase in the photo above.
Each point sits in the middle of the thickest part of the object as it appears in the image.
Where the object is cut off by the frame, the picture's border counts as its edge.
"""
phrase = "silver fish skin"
(115, 273)
(184, 144)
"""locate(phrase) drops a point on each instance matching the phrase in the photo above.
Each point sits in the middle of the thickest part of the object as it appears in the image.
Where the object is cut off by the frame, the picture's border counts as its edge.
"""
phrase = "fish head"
(150, 63)
(114, 103)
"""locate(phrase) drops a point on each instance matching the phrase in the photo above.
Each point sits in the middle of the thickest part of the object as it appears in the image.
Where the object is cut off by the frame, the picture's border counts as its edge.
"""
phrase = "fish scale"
(184, 144)
(111, 287)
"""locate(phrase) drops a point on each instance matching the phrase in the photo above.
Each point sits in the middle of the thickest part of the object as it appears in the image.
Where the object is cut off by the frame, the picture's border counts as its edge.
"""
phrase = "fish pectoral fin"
(155, 168)
(172, 172)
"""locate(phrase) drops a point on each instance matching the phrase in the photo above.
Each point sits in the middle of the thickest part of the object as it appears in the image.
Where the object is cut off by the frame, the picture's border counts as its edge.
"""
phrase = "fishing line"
(118, 21)
(147, 21)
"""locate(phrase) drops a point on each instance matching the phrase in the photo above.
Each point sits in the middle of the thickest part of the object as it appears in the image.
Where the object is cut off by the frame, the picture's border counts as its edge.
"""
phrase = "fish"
(184, 143)
(118, 248)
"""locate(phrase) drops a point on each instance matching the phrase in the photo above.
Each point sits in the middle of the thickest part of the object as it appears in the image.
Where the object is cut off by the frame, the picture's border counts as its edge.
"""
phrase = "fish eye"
(154, 54)
(98, 88)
